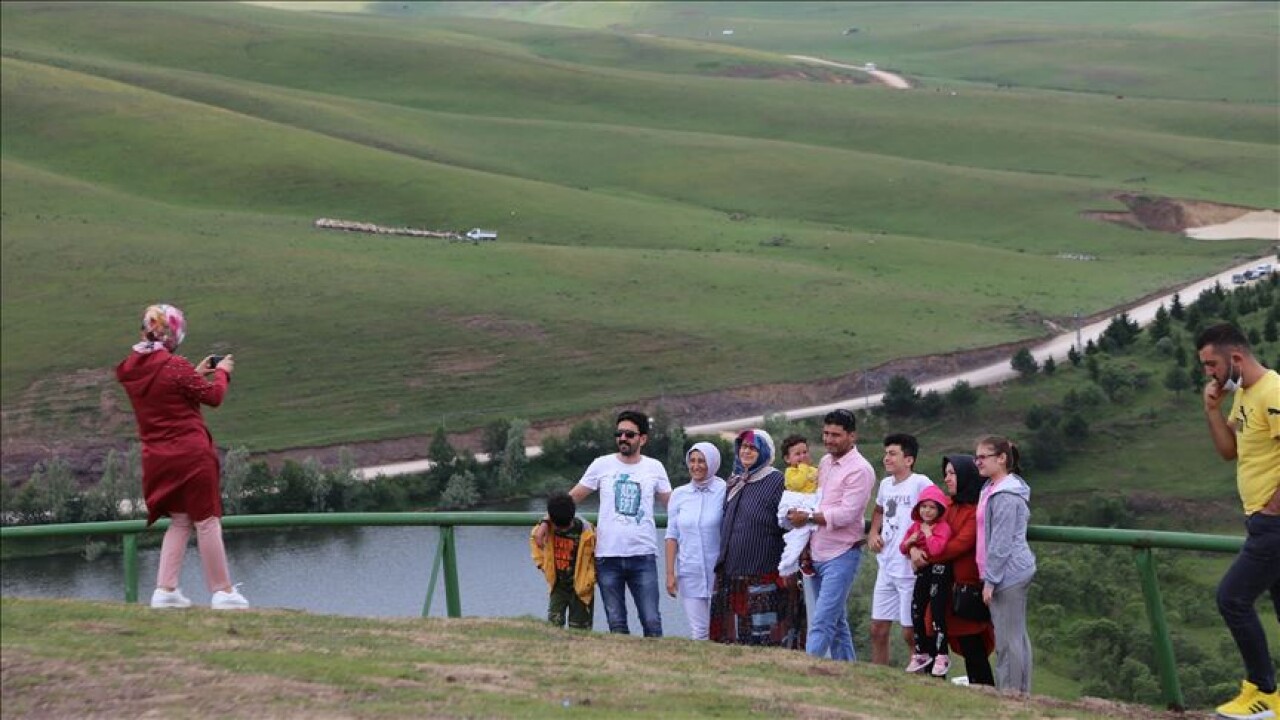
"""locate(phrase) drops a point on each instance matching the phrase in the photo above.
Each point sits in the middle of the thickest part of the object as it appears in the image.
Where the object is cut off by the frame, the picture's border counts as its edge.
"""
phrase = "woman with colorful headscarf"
(752, 603)
(180, 470)
(693, 536)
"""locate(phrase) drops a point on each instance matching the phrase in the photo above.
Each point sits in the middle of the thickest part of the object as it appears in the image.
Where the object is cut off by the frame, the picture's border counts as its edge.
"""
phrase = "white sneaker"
(229, 600)
(919, 663)
(169, 599)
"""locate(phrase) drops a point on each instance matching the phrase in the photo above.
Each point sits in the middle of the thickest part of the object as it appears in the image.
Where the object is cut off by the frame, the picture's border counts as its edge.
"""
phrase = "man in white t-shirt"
(895, 578)
(626, 535)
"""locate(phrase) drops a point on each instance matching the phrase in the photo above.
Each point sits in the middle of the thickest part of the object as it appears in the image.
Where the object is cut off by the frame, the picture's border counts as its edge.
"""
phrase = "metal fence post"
(130, 546)
(1159, 630)
(452, 594)
(431, 584)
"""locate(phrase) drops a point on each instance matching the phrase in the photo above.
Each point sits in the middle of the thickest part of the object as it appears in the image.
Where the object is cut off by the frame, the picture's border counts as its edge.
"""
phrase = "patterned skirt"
(758, 610)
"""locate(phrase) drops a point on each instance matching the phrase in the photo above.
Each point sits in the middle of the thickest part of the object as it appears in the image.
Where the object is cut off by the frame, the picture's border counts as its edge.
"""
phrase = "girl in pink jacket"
(930, 532)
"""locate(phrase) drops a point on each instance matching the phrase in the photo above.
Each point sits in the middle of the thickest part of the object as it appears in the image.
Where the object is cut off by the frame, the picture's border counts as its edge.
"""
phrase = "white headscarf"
(712, 455)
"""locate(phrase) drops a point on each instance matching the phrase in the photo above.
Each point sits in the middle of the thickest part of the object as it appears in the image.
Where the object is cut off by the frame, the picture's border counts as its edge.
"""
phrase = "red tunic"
(180, 470)
(961, 552)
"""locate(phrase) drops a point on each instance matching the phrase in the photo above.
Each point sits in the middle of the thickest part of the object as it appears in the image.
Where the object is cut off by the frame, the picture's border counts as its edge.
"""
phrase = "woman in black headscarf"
(973, 636)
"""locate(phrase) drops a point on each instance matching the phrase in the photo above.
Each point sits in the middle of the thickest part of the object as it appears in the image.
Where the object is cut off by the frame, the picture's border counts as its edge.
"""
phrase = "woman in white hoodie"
(1005, 561)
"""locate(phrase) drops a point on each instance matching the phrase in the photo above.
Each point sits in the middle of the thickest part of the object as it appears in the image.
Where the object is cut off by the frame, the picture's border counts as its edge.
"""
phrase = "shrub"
(1024, 363)
(963, 397)
(1075, 428)
(441, 452)
(900, 397)
(512, 464)
(460, 493)
(1038, 415)
(931, 405)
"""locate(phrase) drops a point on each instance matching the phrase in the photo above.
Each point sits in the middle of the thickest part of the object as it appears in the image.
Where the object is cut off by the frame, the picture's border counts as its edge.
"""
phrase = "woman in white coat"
(693, 536)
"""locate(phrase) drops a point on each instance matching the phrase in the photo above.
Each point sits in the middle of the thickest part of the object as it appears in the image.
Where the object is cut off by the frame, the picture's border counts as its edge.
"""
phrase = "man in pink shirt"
(845, 479)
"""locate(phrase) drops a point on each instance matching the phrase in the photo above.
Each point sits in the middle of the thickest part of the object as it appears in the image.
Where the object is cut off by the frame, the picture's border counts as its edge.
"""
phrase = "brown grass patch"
(152, 687)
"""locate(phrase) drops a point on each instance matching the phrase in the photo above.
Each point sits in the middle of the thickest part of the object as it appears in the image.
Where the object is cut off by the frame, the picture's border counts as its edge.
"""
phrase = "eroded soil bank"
(1166, 214)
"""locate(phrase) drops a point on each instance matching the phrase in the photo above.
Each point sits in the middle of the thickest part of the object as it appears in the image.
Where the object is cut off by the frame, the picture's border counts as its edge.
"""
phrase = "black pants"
(976, 663)
(933, 590)
(1255, 571)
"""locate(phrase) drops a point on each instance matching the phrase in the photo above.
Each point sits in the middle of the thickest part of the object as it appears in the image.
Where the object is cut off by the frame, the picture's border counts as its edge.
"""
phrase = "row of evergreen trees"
(458, 480)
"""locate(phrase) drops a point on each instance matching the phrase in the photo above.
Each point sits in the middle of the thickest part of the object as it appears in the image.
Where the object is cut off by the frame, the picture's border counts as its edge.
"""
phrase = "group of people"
(768, 557)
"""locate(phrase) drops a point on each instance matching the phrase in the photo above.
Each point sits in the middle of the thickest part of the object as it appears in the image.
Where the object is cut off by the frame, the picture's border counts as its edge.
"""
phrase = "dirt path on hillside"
(1264, 225)
(896, 82)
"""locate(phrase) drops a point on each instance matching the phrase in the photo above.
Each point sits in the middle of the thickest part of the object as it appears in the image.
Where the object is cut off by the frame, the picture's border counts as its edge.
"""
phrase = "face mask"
(1233, 379)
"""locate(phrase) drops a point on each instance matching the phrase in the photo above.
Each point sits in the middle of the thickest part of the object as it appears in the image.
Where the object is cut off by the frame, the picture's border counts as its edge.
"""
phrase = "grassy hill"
(1104, 47)
(66, 658)
(654, 211)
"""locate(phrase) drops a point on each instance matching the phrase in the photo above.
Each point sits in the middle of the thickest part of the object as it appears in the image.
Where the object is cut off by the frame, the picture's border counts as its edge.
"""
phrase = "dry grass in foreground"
(90, 659)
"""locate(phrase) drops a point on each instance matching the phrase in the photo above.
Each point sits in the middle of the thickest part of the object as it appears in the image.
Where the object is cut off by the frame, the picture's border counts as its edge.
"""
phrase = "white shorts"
(892, 599)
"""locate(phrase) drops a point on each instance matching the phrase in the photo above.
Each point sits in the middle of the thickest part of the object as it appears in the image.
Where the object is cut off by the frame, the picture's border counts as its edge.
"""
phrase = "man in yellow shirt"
(1250, 435)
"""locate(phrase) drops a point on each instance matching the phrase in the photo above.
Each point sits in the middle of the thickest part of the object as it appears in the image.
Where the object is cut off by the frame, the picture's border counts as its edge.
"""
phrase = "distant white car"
(869, 66)
(478, 234)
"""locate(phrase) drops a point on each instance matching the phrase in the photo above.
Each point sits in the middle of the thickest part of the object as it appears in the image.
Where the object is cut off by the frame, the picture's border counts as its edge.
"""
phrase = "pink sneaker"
(941, 666)
(919, 663)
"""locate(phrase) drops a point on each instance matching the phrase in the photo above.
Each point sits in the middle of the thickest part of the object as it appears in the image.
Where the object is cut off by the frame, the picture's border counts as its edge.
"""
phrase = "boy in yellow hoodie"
(569, 564)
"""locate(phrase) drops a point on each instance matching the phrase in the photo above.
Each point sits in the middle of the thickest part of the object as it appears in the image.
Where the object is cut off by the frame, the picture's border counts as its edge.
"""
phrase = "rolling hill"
(673, 215)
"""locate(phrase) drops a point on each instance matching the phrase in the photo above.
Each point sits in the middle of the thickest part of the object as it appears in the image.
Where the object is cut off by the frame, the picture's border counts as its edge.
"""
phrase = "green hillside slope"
(697, 230)
(72, 658)
(1224, 50)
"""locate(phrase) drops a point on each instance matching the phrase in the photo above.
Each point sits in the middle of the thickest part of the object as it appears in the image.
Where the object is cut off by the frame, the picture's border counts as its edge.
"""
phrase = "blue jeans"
(639, 573)
(1255, 571)
(829, 618)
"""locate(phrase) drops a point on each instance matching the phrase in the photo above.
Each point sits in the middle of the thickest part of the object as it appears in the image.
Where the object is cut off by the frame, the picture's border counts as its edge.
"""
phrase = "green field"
(665, 227)
(1224, 50)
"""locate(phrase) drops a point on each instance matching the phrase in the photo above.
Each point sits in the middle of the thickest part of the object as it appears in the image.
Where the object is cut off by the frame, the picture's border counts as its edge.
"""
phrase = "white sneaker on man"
(229, 600)
(165, 599)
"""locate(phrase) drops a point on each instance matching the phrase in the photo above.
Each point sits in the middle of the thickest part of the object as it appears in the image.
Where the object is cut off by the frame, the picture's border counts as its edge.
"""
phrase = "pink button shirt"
(846, 485)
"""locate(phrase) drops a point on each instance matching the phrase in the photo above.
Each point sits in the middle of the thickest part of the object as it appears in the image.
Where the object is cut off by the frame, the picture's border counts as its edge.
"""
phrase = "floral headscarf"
(762, 467)
(163, 328)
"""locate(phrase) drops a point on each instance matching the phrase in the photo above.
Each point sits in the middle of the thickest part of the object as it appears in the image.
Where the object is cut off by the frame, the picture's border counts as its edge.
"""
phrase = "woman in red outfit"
(974, 639)
(180, 470)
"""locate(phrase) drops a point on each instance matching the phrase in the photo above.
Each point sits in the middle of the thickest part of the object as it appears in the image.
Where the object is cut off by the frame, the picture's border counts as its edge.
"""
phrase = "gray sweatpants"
(1013, 646)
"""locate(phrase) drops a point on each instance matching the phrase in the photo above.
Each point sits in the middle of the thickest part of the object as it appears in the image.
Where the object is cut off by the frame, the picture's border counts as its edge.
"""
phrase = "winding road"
(1055, 348)
(894, 81)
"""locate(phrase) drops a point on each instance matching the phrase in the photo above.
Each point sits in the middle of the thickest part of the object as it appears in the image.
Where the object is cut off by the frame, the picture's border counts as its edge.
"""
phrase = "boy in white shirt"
(895, 578)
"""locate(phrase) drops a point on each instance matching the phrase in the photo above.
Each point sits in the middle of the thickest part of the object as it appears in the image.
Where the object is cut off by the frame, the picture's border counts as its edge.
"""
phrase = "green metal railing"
(446, 558)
